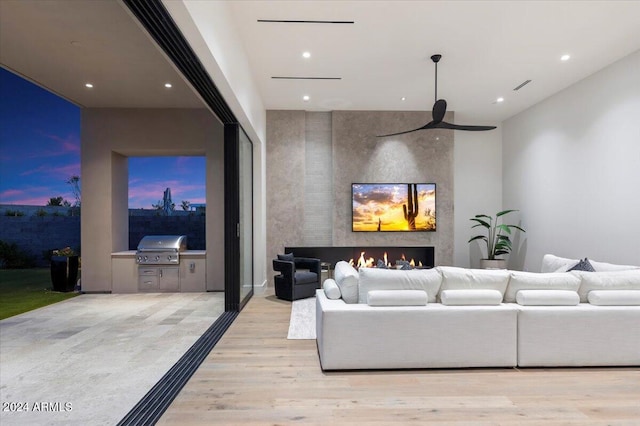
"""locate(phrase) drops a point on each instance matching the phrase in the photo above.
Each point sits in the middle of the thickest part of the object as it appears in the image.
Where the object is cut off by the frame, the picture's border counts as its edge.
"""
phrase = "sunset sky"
(374, 202)
(40, 151)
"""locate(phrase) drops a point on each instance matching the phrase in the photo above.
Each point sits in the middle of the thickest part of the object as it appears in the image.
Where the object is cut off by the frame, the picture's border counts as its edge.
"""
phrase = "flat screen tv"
(389, 207)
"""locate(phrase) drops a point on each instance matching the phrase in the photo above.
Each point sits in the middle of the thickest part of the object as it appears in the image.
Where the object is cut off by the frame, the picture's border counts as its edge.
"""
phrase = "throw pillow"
(614, 297)
(470, 297)
(288, 257)
(547, 298)
(331, 289)
(346, 277)
(583, 265)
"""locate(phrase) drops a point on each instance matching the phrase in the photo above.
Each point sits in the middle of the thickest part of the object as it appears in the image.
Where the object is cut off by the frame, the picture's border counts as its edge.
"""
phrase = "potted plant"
(497, 239)
(64, 269)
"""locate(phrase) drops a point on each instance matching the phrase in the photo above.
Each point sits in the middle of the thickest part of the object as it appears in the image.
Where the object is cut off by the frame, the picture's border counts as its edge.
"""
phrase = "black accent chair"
(299, 277)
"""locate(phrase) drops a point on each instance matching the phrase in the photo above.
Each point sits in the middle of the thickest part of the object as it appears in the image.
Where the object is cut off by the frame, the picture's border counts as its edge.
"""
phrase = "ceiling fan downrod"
(436, 59)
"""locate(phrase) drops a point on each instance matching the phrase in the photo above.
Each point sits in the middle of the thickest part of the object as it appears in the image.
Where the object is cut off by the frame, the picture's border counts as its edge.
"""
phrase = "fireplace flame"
(412, 263)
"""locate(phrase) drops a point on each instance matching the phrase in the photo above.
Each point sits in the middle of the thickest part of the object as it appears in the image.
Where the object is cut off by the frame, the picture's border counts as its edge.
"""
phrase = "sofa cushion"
(305, 277)
(397, 298)
(470, 297)
(613, 280)
(427, 280)
(474, 279)
(609, 267)
(583, 265)
(331, 289)
(614, 297)
(547, 298)
(551, 263)
(346, 277)
(540, 281)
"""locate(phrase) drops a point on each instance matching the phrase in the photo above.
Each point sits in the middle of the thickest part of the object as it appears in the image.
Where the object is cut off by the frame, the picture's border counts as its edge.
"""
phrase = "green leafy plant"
(498, 234)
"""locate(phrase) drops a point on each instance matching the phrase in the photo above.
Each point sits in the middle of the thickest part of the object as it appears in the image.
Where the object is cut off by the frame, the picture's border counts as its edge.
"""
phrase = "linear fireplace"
(420, 255)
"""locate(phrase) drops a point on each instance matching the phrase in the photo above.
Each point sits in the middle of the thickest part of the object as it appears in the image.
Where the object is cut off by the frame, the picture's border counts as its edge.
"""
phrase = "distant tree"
(186, 205)
(74, 181)
(58, 201)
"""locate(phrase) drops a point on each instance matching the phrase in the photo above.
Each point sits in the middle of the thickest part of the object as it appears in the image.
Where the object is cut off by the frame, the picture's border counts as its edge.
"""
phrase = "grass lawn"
(22, 290)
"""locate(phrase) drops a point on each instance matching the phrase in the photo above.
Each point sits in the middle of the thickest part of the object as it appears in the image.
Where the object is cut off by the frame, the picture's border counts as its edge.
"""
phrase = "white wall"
(477, 175)
(572, 165)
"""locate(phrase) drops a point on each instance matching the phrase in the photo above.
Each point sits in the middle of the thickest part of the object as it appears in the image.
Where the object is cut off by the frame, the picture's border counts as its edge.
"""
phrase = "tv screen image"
(388, 207)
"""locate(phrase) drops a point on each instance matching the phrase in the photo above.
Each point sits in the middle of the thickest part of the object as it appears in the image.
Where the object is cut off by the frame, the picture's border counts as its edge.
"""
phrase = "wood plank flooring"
(255, 376)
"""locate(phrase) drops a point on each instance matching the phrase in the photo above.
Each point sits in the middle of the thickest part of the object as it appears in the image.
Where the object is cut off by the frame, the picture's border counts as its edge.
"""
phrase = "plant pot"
(493, 264)
(64, 272)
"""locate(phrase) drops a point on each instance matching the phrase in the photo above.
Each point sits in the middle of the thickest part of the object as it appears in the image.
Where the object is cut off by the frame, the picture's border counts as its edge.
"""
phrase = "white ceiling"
(488, 48)
(63, 44)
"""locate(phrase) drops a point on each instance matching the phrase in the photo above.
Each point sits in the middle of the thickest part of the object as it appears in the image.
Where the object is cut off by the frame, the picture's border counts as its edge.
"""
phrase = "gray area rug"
(302, 324)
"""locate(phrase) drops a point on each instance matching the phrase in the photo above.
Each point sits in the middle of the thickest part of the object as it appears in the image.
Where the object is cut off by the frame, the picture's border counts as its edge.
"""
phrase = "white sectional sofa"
(450, 317)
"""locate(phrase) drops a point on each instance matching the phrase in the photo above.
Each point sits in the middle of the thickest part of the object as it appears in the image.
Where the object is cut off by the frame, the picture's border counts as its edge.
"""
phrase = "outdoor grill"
(161, 249)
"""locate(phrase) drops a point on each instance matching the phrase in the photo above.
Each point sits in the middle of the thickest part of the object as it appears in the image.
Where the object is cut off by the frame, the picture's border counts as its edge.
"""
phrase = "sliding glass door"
(238, 217)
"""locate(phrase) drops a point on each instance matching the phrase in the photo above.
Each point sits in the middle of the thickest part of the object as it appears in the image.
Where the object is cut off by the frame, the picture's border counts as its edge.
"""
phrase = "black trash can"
(64, 272)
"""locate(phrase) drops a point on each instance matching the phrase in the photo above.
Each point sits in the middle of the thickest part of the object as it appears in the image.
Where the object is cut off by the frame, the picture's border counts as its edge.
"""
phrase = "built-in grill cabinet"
(158, 259)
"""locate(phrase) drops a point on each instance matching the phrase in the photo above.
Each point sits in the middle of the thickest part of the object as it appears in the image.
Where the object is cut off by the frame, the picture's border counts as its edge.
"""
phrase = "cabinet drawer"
(148, 272)
(147, 283)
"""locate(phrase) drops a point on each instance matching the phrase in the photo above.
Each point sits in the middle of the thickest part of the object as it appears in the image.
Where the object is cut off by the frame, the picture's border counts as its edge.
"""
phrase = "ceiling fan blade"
(439, 110)
(445, 125)
(429, 125)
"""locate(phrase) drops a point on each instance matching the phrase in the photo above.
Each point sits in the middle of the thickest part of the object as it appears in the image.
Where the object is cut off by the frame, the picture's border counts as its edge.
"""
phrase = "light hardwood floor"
(256, 376)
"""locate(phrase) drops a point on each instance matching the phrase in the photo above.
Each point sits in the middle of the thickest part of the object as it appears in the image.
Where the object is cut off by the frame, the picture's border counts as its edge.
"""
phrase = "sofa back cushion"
(541, 281)
(610, 267)
(614, 280)
(551, 263)
(473, 279)
(397, 298)
(428, 280)
(346, 277)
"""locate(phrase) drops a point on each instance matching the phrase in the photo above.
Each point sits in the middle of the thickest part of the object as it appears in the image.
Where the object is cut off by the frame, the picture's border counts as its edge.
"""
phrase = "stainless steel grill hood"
(161, 249)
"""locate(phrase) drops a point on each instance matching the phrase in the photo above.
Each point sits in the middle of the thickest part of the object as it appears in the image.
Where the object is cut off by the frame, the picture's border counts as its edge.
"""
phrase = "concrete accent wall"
(285, 181)
(298, 160)
(108, 137)
(572, 166)
(318, 182)
(419, 157)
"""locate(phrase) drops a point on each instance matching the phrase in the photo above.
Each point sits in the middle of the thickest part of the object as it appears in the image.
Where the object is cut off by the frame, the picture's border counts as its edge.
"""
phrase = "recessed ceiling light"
(403, 98)
(88, 85)
(565, 57)
(306, 54)
(306, 98)
(168, 85)
(500, 100)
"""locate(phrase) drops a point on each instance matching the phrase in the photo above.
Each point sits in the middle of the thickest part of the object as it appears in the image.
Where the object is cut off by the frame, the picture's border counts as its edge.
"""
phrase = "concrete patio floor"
(90, 359)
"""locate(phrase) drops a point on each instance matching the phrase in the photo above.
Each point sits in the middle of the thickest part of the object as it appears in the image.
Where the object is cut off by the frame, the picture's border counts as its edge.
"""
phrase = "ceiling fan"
(437, 113)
